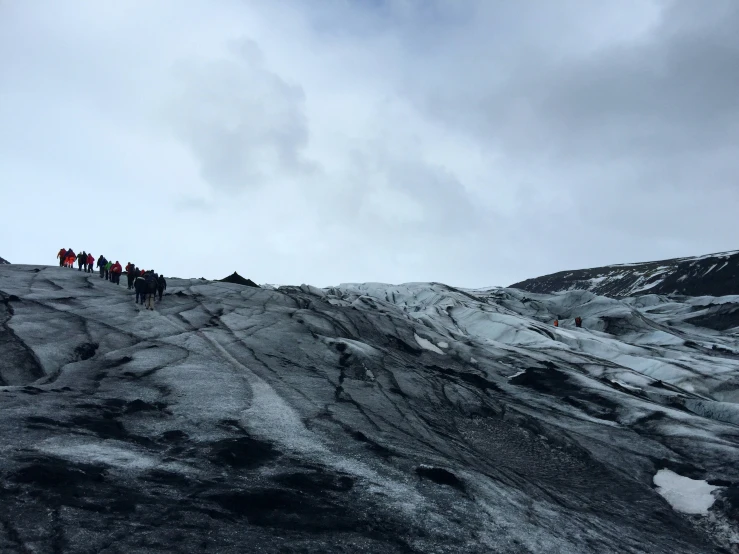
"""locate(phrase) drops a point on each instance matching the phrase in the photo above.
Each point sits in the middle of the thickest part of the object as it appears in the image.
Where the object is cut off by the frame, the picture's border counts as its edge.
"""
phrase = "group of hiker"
(110, 271)
(147, 283)
(67, 258)
(578, 321)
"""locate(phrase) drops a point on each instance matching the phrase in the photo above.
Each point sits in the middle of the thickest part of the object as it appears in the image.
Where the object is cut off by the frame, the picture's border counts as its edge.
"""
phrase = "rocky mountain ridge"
(709, 275)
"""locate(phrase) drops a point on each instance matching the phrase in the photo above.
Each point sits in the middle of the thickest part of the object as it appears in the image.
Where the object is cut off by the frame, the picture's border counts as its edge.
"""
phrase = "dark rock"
(243, 452)
(237, 279)
(440, 476)
(85, 351)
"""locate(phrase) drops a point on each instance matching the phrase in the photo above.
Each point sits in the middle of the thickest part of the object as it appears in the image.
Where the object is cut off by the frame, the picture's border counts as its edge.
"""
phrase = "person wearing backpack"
(108, 265)
(161, 286)
(151, 288)
(90, 263)
(71, 258)
(139, 285)
(62, 255)
(101, 265)
(115, 272)
(129, 274)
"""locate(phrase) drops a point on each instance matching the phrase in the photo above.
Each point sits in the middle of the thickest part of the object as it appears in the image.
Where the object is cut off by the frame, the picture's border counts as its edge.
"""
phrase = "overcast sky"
(472, 142)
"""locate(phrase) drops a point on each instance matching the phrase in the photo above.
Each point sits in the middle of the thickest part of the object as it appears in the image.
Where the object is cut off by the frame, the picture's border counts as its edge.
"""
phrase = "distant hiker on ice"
(108, 265)
(139, 285)
(151, 288)
(62, 255)
(161, 286)
(71, 258)
(101, 265)
(129, 274)
(578, 321)
(115, 273)
(90, 263)
(82, 260)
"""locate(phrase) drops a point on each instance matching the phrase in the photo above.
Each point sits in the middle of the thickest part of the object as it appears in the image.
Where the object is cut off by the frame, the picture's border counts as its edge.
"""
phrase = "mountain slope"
(711, 275)
(2, 261)
(363, 418)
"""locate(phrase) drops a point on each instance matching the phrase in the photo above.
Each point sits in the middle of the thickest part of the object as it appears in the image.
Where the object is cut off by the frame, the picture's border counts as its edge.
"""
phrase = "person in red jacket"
(116, 270)
(130, 268)
(71, 258)
(62, 255)
(90, 263)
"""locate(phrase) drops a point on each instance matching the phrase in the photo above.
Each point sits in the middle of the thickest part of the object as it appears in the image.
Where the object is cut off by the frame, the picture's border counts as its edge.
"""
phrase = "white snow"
(686, 495)
(647, 287)
(427, 344)
(517, 374)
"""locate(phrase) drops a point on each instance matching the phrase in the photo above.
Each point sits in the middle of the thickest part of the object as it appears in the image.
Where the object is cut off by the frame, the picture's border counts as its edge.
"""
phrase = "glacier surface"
(362, 418)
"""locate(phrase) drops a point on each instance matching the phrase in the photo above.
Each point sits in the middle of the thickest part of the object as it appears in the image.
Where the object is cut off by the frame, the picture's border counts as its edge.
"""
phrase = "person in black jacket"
(101, 265)
(151, 288)
(81, 260)
(139, 284)
(161, 286)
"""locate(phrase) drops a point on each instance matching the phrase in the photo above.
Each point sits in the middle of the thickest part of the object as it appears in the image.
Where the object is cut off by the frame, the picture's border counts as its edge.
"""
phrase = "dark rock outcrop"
(3, 261)
(710, 275)
(237, 279)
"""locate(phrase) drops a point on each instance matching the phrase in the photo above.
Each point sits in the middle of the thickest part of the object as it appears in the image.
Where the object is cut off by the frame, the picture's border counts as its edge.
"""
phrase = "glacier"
(363, 418)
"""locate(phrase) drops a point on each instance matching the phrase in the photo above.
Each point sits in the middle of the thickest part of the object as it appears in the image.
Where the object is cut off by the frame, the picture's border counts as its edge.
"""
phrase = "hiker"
(108, 265)
(115, 271)
(71, 257)
(151, 288)
(161, 286)
(578, 321)
(81, 260)
(62, 255)
(130, 268)
(90, 263)
(139, 285)
(556, 322)
(101, 265)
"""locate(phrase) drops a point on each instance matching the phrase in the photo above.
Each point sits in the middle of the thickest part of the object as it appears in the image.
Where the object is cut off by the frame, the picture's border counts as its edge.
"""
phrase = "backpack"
(151, 282)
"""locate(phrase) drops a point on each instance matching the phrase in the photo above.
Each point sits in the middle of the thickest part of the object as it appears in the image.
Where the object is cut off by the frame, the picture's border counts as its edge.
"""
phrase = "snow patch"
(686, 495)
(427, 344)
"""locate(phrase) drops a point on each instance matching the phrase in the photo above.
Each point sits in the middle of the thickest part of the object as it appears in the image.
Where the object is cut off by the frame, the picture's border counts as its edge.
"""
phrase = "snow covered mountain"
(713, 274)
(362, 418)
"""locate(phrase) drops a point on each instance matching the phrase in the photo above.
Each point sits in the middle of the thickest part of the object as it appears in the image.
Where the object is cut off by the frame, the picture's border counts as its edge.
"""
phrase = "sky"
(471, 142)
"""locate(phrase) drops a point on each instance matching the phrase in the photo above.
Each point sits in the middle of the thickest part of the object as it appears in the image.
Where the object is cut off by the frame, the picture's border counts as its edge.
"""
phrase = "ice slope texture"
(361, 418)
